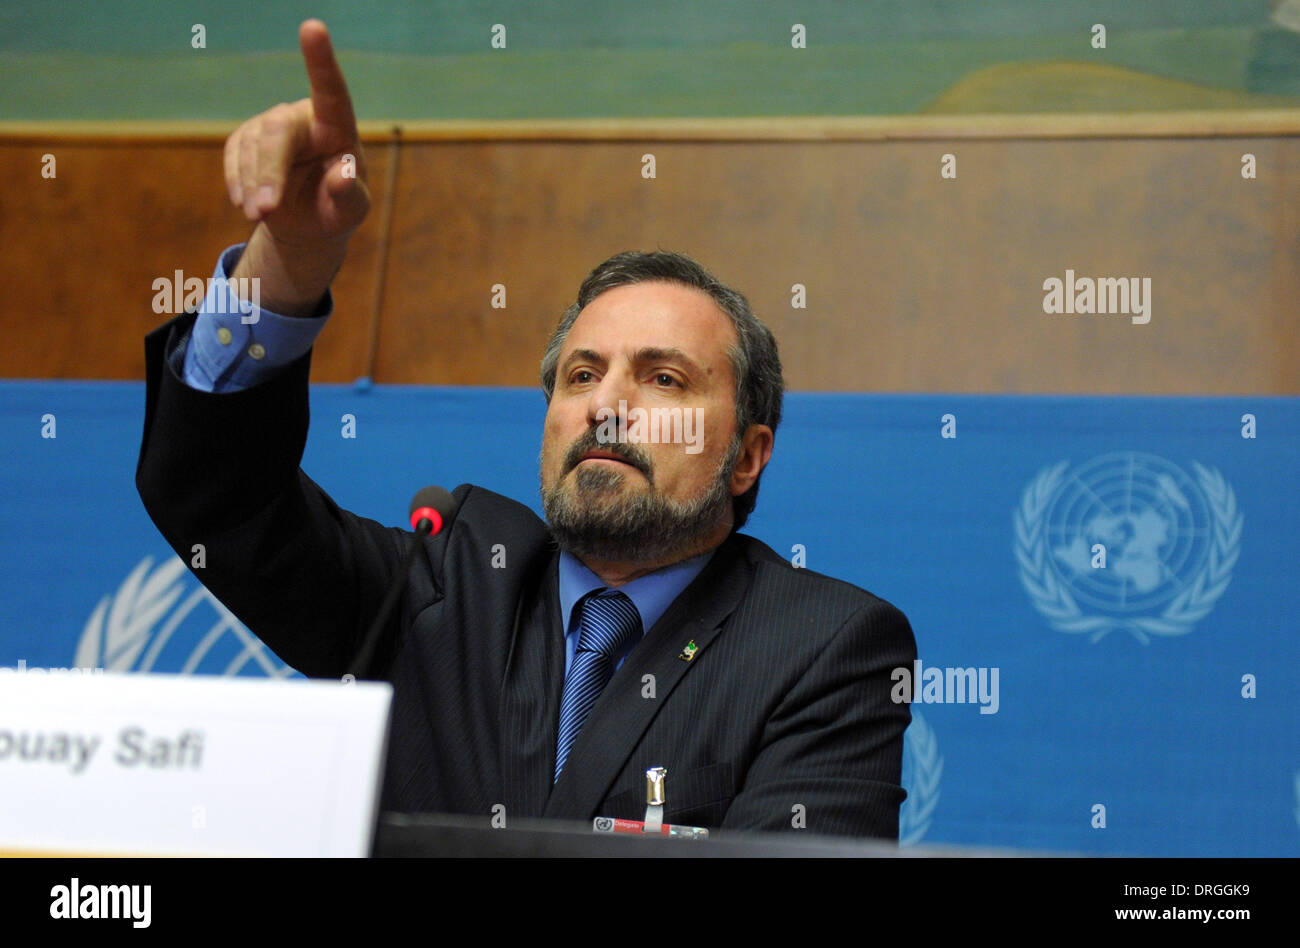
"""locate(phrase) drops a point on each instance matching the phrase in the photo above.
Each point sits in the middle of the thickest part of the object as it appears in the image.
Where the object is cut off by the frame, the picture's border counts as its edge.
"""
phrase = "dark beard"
(646, 527)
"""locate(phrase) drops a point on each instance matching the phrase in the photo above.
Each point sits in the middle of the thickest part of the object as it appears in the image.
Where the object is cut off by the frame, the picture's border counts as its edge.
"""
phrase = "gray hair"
(754, 359)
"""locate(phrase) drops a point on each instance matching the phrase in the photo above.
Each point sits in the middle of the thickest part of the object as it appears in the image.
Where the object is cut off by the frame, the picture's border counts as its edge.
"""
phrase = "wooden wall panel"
(81, 252)
(914, 282)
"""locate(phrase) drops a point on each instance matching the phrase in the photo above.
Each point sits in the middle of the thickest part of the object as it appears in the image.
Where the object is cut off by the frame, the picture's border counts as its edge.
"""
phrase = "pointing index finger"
(330, 103)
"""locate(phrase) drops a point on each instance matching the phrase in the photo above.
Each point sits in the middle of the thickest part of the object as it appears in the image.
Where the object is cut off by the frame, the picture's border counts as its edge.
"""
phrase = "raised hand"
(298, 170)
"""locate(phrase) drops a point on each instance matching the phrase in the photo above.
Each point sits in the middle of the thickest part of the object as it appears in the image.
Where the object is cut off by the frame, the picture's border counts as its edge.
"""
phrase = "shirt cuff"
(236, 343)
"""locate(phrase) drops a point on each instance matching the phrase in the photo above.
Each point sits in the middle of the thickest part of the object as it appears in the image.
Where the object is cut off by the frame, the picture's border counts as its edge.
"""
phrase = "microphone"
(434, 504)
(431, 508)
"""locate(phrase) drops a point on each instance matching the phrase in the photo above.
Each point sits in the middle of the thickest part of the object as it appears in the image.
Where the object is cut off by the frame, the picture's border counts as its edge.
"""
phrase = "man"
(637, 630)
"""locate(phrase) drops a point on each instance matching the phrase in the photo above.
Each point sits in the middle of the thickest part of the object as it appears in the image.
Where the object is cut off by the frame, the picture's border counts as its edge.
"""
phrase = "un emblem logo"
(1126, 542)
(922, 768)
(156, 621)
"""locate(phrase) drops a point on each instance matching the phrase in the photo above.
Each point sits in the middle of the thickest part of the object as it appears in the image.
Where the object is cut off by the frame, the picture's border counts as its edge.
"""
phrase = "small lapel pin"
(689, 651)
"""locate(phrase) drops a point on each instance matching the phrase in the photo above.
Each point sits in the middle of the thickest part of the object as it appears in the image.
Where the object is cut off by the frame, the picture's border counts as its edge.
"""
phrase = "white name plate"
(132, 764)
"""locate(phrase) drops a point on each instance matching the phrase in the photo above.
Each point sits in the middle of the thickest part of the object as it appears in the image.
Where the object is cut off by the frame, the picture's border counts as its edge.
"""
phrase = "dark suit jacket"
(782, 717)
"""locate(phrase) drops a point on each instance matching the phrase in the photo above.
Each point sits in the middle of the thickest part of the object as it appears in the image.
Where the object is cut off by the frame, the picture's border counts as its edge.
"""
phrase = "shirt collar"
(652, 593)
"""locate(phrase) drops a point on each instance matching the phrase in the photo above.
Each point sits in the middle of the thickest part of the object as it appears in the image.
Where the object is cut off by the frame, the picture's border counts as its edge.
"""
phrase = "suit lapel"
(621, 716)
(530, 697)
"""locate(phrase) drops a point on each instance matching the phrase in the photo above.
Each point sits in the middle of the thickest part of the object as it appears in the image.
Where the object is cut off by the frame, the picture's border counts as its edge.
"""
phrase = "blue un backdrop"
(1144, 706)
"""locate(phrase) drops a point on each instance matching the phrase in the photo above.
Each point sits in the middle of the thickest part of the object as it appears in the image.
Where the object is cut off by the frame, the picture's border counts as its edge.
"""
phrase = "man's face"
(652, 351)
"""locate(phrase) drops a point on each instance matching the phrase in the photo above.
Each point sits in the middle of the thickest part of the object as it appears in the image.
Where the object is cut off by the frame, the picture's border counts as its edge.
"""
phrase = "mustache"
(624, 452)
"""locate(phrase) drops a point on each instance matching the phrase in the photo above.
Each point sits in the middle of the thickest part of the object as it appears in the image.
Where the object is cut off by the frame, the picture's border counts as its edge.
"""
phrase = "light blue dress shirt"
(235, 345)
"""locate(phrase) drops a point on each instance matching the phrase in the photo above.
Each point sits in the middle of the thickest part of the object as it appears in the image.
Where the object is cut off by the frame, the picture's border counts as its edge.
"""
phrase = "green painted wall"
(431, 58)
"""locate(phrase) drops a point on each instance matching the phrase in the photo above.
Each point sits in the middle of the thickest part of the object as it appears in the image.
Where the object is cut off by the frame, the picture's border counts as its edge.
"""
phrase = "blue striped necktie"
(609, 620)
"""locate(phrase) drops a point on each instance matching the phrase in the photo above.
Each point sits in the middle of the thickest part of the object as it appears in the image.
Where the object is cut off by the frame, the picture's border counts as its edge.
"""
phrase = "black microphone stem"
(362, 662)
